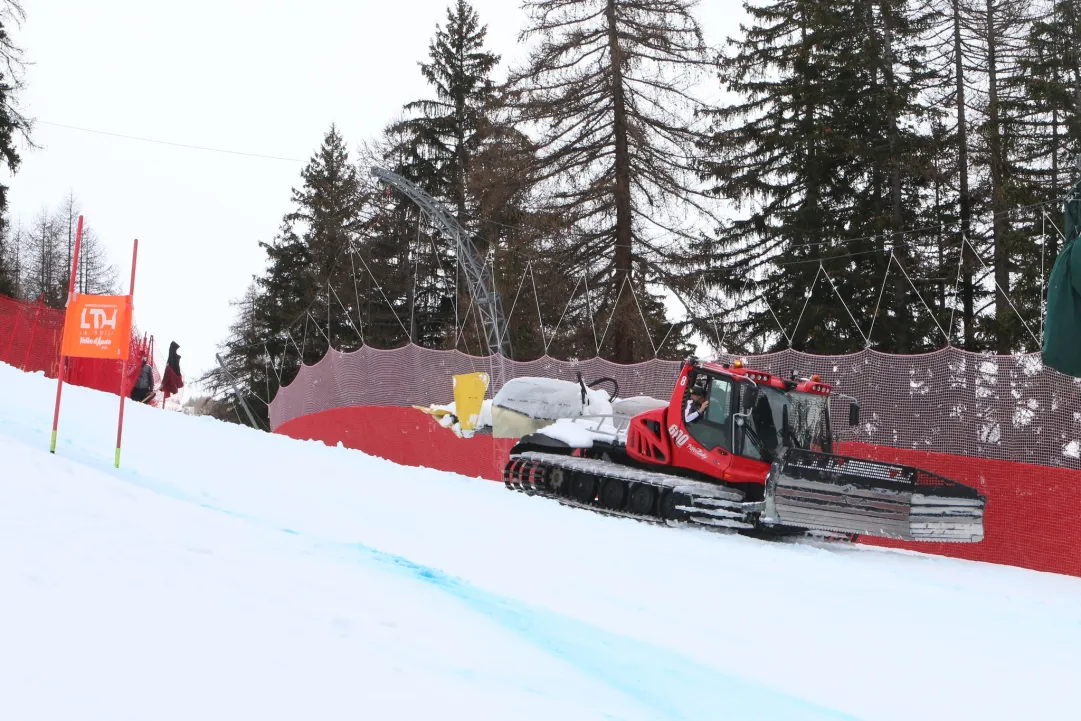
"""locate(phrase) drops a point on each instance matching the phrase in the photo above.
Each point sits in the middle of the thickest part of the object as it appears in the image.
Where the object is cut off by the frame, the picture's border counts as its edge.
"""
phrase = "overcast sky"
(266, 77)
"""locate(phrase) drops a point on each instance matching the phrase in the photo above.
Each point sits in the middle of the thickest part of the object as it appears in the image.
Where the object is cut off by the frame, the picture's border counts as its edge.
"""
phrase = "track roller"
(642, 499)
(613, 494)
(583, 487)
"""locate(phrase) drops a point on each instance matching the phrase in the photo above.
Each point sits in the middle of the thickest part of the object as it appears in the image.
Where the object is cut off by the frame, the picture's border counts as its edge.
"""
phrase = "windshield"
(808, 422)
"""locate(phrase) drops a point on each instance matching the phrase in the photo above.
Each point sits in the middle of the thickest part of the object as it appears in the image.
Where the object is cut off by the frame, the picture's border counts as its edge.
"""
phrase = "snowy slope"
(224, 574)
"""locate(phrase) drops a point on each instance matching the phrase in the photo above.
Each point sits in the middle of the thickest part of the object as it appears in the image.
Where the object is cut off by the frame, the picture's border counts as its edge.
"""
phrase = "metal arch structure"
(478, 273)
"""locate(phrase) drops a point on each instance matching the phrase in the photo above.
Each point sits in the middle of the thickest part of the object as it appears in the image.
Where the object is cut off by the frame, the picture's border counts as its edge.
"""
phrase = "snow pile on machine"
(573, 413)
(564, 410)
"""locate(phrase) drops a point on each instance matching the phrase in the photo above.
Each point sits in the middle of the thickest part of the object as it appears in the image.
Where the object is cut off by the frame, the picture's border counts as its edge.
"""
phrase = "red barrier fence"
(30, 335)
(1033, 516)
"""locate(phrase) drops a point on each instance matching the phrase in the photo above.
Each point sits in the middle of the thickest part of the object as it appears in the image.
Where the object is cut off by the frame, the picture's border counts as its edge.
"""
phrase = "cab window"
(714, 428)
(720, 401)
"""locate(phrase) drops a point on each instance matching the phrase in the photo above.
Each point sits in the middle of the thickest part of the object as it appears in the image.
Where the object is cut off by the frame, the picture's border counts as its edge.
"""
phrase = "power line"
(168, 142)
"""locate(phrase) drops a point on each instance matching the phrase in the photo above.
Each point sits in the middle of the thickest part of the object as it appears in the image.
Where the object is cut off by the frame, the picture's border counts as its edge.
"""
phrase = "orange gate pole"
(60, 370)
(124, 363)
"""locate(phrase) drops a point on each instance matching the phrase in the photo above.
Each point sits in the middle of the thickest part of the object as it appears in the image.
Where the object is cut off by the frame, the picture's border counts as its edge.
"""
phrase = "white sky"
(266, 78)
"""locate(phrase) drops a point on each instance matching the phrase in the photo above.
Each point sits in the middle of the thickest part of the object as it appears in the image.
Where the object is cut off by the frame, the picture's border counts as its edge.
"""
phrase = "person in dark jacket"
(1062, 339)
(143, 392)
(172, 381)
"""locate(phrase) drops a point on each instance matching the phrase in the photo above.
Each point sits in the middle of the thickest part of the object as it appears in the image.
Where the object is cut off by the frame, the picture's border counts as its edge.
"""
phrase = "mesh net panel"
(30, 335)
(1007, 408)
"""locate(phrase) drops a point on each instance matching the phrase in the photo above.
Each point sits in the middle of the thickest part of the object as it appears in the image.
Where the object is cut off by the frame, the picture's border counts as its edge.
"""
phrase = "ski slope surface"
(223, 573)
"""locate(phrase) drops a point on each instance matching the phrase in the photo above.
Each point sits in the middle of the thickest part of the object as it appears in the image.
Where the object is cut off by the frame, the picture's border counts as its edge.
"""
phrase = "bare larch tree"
(607, 95)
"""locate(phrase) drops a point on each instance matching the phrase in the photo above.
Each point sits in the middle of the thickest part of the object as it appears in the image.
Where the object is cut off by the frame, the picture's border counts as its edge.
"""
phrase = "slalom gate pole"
(61, 366)
(124, 363)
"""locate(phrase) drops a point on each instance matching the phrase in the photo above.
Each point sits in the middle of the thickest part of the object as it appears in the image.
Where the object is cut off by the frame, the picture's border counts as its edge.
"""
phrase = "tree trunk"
(968, 310)
(1000, 225)
(460, 149)
(621, 338)
(900, 247)
(811, 199)
(1053, 246)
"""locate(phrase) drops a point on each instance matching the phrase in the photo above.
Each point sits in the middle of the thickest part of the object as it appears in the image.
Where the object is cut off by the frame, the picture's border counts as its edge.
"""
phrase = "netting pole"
(33, 332)
(60, 369)
(124, 363)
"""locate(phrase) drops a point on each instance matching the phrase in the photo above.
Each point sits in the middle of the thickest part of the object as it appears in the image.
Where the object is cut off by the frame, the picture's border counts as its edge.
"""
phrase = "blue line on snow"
(672, 685)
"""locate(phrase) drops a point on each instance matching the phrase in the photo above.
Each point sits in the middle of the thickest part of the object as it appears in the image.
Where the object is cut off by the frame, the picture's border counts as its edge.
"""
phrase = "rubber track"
(704, 505)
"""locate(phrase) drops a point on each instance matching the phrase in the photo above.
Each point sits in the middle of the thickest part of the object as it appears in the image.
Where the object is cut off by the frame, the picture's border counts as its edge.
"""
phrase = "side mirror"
(750, 396)
(853, 413)
(785, 427)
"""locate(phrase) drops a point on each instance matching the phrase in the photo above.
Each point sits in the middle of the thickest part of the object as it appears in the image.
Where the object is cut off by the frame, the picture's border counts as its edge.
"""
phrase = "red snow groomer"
(740, 449)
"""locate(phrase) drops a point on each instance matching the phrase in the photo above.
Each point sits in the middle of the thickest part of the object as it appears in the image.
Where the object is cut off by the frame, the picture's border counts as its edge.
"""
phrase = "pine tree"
(608, 94)
(414, 265)
(774, 152)
(8, 265)
(12, 122)
(955, 204)
(993, 36)
(439, 142)
(830, 146)
(248, 362)
(296, 311)
(890, 168)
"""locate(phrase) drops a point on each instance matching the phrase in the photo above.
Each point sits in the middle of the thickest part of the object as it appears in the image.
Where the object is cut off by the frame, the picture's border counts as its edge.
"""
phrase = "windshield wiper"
(748, 432)
(788, 438)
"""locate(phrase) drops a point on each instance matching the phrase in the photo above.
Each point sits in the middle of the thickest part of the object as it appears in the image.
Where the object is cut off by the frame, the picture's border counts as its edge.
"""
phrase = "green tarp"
(1062, 327)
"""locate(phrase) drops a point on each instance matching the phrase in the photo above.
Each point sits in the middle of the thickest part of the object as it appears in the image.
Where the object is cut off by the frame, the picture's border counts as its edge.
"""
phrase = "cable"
(167, 142)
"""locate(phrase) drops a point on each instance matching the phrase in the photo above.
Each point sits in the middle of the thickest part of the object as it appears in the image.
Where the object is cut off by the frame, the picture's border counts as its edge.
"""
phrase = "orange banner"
(98, 326)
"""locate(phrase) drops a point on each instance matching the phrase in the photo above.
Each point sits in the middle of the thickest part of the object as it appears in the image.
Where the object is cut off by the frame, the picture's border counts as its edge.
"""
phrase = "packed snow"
(581, 432)
(550, 399)
(223, 573)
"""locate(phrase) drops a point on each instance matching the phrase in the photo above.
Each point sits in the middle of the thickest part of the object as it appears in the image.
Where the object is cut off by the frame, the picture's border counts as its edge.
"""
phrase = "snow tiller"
(734, 448)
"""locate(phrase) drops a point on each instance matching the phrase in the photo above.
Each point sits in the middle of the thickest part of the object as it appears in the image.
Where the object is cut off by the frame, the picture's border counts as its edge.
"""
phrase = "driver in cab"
(696, 405)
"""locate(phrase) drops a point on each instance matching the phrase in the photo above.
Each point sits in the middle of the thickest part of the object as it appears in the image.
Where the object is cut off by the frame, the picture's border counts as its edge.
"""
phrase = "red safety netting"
(1007, 408)
(30, 335)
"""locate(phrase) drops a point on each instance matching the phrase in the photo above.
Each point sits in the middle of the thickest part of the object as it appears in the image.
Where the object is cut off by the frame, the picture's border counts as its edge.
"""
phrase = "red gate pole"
(33, 332)
(60, 370)
(124, 363)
